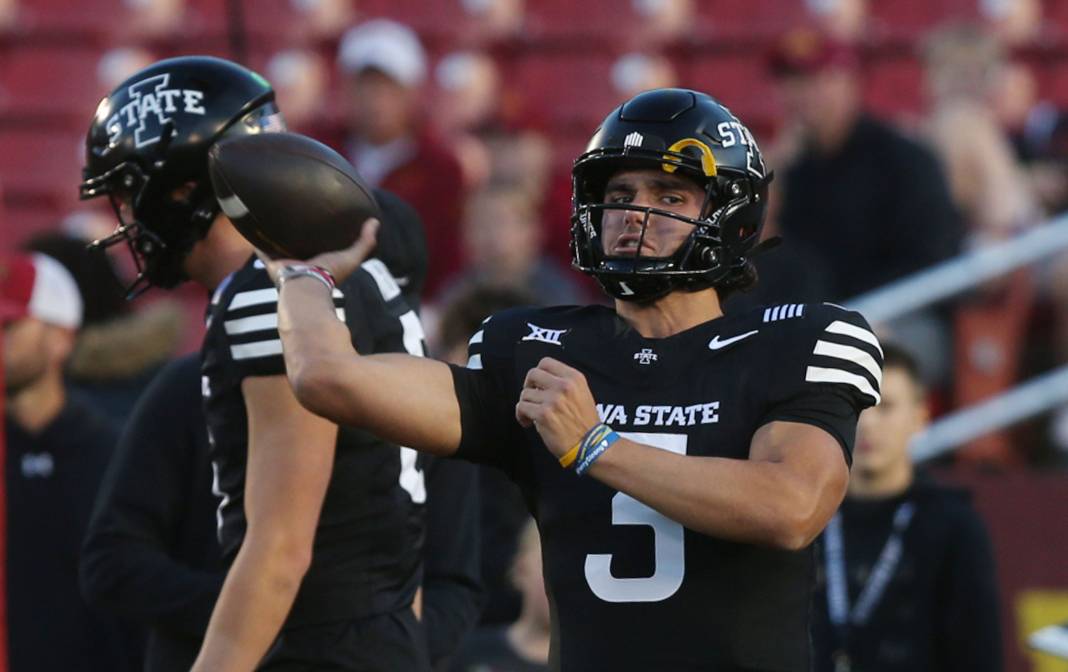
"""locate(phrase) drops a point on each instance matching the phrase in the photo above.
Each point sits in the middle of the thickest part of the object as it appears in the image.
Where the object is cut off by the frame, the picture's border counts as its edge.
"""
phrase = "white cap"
(38, 286)
(383, 45)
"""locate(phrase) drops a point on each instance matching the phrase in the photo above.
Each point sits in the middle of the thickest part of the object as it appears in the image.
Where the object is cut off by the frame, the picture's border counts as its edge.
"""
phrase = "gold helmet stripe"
(708, 160)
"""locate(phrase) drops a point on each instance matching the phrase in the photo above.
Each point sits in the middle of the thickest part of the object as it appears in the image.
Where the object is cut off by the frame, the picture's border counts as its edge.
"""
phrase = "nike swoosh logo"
(716, 344)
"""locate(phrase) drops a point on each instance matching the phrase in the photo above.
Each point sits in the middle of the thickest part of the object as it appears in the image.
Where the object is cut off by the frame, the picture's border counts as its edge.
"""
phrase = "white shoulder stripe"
(850, 354)
(475, 362)
(257, 297)
(254, 323)
(819, 374)
(254, 350)
(254, 297)
(846, 329)
(245, 325)
(477, 338)
(767, 314)
(387, 286)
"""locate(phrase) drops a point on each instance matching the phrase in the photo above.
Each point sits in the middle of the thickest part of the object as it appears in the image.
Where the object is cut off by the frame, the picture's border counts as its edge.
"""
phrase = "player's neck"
(37, 405)
(882, 484)
(221, 252)
(530, 639)
(674, 313)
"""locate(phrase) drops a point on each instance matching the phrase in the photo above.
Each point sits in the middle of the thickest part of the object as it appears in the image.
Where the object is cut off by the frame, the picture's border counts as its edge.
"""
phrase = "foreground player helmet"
(147, 151)
(687, 133)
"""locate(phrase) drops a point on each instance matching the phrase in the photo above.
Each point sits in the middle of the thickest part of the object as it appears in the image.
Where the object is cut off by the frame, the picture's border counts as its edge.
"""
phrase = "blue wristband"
(596, 441)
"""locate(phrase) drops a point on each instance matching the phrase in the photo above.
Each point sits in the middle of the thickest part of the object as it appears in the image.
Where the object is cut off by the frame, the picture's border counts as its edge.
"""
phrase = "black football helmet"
(692, 134)
(147, 151)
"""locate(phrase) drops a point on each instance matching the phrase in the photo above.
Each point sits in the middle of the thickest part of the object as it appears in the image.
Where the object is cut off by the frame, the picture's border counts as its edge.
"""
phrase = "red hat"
(36, 285)
(805, 51)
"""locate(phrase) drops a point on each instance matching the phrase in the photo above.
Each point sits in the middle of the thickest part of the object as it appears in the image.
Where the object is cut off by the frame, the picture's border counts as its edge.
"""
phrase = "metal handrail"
(953, 277)
(958, 275)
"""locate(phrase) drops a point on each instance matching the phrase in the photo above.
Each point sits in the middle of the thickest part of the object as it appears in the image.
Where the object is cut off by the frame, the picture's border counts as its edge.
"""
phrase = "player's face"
(653, 188)
(884, 431)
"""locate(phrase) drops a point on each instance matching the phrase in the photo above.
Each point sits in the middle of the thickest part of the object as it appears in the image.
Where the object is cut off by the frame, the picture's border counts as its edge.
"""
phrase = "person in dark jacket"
(907, 580)
(57, 447)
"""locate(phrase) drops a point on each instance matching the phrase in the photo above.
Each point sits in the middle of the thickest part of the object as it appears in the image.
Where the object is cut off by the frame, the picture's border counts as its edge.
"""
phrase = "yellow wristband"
(568, 458)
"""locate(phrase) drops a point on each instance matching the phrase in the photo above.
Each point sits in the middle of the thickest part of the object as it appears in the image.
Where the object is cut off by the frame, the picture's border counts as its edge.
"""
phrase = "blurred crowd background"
(903, 133)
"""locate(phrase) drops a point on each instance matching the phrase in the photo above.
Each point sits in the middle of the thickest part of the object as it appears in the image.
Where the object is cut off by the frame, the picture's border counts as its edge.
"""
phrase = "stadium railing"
(956, 276)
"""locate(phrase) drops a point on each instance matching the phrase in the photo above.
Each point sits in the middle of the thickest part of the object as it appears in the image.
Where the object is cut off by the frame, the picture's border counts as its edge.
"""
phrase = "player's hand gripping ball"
(290, 196)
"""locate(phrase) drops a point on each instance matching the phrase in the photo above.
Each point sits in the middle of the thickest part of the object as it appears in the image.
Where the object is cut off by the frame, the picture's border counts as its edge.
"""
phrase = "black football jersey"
(631, 589)
(366, 555)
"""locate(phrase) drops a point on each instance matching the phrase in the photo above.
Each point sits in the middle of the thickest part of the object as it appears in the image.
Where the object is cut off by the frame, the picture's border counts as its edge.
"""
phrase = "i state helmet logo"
(150, 107)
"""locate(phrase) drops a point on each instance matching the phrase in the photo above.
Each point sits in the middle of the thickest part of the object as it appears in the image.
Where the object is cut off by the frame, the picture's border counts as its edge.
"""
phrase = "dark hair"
(472, 304)
(897, 357)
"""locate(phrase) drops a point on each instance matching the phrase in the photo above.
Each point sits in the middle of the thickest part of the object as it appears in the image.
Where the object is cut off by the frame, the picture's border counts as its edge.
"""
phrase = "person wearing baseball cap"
(57, 448)
(387, 137)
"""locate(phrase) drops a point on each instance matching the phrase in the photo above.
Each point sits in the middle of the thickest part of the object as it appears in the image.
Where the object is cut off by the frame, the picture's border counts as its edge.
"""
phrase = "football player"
(321, 525)
(678, 461)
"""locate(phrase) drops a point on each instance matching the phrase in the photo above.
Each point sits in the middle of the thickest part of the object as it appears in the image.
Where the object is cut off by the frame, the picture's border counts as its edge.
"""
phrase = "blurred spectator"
(522, 646)
(116, 66)
(119, 349)
(663, 21)
(389, 143)
(153, 18)
(963, 65)
(1014, 22)
(493, 21)
(502, 240)
(636, 72)
(57, 448)
(908, 579)
(323, 19)
(300, 84)
(843, 20)
(467, 107)
(872, 202)
(503, 512)
(9, 14)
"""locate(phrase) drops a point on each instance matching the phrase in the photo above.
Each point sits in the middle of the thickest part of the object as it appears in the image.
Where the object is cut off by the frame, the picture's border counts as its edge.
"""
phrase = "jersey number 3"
(668, 552)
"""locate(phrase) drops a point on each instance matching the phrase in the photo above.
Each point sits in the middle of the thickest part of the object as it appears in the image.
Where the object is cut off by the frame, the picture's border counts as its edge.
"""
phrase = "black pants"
(386, 643)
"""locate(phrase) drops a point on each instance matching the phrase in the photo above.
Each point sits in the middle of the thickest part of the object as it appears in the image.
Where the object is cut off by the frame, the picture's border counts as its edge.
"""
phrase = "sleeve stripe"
(818, 374)
(413, 333)
(256, 297)
(477, 338)
(245, 325)
(850, 354)
(254, 350)
(475, 362)
(387, 286)
(767, 314)
(861, 334)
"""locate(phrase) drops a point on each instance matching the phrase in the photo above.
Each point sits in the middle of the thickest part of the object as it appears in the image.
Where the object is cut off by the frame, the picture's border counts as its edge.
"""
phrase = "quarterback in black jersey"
(321, 525)
(679, 462)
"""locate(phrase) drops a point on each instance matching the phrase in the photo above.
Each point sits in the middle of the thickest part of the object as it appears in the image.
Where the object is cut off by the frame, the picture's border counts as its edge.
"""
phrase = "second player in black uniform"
(678, 461)
(321, 525)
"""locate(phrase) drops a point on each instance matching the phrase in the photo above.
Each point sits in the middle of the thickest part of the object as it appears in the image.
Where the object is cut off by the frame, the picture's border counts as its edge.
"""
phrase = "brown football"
(289, 195)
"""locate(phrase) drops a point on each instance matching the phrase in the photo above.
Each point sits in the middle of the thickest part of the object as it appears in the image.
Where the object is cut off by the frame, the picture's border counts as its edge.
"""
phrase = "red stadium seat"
(90, 17)
(749, 19)
(910, 19)
(40, 168)
(894, 86)
(573, 89)
(39, 80)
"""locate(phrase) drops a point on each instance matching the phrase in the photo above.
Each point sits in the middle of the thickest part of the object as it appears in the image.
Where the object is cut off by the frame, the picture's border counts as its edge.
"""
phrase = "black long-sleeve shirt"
(939, 613)
(152, 554)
